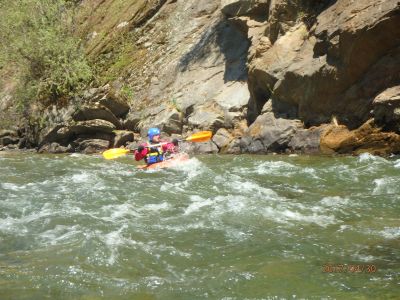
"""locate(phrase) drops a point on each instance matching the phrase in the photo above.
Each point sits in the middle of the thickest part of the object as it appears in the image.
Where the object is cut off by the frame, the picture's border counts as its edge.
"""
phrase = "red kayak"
(171, 162)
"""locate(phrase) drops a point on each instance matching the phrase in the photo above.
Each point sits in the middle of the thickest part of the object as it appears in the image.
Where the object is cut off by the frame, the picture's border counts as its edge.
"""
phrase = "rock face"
(367, 138)
(91, 127)
(387, 109)
(336, 68)
(263, 75)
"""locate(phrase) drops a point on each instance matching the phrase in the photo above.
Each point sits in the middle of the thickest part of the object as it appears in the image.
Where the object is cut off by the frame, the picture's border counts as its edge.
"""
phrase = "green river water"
(214, 227)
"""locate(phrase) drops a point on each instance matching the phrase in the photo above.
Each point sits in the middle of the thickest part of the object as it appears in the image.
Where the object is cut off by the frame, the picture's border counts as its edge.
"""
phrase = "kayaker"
(152, 155)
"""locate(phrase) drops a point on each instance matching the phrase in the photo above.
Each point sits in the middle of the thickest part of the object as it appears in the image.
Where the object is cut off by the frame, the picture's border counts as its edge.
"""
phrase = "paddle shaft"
(156, 145)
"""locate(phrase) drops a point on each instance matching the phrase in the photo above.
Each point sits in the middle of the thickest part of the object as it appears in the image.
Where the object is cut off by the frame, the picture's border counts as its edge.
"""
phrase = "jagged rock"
(282, 15)
(204, 148)
(306, 140)
(9, 140)
(334, 62)
(366, 138)
(167, 119)
(122, 137)
(115, 104)
(132, 121)
(222, 139)
(8, 137)
(59, 134)
(89, 146)
(249, 144)
(55, 148)
(387, 109)
(233, 147)
(56, 119)
(232, 8)
(234, 97)
(7, 132)
(92, 126)
(93, 112)
(267, 70)
(270, 134)
(206, 117)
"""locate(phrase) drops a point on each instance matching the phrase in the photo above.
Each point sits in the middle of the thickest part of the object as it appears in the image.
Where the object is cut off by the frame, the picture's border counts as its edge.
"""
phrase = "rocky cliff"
(263, 75)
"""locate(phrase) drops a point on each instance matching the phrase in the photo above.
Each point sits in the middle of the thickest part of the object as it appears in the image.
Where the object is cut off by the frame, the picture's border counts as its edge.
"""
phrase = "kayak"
(171, 162)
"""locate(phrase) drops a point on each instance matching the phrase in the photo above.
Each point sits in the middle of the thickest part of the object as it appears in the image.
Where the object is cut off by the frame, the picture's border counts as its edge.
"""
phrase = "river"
(215, 227)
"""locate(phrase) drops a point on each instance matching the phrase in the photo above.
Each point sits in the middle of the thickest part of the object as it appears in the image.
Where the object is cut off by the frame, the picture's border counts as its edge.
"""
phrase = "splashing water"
(213, 227)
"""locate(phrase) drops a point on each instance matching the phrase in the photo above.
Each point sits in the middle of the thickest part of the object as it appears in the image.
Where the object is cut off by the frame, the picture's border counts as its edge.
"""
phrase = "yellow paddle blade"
(114, 153)
(202, 136)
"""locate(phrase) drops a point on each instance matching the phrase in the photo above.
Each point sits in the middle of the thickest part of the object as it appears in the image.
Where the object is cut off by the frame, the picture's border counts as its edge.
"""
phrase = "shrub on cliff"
(36, 37)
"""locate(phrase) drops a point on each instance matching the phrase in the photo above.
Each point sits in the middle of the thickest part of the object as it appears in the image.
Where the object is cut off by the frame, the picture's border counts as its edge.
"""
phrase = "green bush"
(36, 36)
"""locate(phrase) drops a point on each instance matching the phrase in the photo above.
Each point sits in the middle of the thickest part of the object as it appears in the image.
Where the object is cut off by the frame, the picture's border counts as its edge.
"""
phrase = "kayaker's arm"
(141, 152)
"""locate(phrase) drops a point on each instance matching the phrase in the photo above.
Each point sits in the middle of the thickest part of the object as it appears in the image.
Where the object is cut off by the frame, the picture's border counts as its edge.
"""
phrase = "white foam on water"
(245, 187)
(76, 155)
(197, 204)
(185, 227)
(274, 167)
(170, 250)
(335, 202)
(390, 233)
(397, 163)
(365, 258)
(367, 157)
(343, 228)
(172, 187)
(10, 225)
(237, 235)
(191, 167)
(155, 207)
(82, 177)
(311, 172)
(59, 234)
(10, 186)
(387, 185)
(287, 216)
(117, 212)
(113, 241)
(152, 282)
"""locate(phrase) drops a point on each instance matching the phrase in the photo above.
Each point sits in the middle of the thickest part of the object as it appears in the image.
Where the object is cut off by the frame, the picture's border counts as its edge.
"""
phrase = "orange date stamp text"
(349, 268)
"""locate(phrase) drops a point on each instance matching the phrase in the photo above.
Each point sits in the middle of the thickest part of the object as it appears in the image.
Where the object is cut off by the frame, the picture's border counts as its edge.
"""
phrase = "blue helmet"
(152, 132)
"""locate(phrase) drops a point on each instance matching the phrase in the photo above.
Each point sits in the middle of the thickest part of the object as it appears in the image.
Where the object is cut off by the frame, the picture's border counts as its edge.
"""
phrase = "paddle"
(198, 137)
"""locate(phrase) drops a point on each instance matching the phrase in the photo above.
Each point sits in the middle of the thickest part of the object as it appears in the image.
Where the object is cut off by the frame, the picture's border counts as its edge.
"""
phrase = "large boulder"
(165, 117)
(122, 137)
(108, 97)
(92, 126)
(115, 104)
(8, 137)
(203, 148)
(387, 109)
(55, 148)
(222, 139)
(96, 111)
(269, 134)
(306, 140)
(132, 121)
(367, 138)
(89, 146)
(206, 117)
